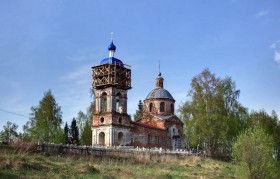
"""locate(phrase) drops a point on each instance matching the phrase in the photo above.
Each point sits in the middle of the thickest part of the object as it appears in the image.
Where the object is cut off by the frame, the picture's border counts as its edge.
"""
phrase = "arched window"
(120, 138)
(172, 108)
(156, 139)
(104, 102)
(102, 119)
(163, 140)
(101, 139)
(120, 120)
(151, 107)
(162, 105)
(149, 139)
(118, 102)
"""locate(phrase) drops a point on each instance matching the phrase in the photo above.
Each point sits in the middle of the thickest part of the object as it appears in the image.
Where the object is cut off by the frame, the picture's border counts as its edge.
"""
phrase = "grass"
(23, 164)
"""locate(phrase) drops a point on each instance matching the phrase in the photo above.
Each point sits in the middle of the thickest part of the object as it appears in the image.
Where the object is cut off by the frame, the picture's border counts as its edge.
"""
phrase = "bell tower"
(111, 81)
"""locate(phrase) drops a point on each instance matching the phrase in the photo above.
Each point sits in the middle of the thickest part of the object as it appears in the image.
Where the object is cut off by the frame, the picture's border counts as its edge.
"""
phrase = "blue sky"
(51, 44)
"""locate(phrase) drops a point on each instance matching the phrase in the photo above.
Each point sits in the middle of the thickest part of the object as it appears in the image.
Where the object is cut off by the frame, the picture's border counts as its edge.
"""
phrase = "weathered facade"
(112, 126)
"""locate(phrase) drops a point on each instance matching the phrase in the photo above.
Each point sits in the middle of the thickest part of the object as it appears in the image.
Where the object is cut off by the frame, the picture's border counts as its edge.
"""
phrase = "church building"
(112, 126)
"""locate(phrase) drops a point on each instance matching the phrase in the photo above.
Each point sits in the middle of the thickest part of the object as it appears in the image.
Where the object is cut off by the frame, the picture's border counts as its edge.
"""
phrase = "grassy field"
(23, 164)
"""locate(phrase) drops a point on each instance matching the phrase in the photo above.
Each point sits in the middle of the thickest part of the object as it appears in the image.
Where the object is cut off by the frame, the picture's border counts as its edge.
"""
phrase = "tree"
(9, 132)
(74, 132)
(45, 120)
(86, 136)
(139, 113)
(91, 110)
(254, 150)
(269, 123)
(59, 137)
(66, 134)
(81, 119)
(213, 117)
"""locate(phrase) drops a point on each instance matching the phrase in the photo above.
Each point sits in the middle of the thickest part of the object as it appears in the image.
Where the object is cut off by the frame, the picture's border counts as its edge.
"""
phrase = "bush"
(255, 150)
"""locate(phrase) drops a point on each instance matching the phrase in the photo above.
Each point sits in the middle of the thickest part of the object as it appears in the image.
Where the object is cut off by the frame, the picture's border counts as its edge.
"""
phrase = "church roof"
(164, 117)
(147, 125)
(159, 93)
(112, 60)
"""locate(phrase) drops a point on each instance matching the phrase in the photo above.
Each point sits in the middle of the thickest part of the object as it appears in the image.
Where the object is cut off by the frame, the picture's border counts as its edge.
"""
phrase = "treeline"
(45, 125)
(216, 122)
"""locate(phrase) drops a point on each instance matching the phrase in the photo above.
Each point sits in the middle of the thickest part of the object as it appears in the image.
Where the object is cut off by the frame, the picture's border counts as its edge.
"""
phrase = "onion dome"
(112, 46)
(111, 59)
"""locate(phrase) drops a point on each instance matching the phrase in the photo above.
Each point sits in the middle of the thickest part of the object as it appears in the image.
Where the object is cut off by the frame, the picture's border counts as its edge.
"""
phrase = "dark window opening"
(163, 140)
(149, 139)
(118, 102)
(162, 105)
(102, 120)
(151, 107)
(156, 139)
(104, 102)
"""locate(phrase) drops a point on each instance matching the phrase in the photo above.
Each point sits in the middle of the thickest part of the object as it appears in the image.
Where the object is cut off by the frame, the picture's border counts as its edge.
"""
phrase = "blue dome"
(112, 60)
(112, 46)
(159, 93)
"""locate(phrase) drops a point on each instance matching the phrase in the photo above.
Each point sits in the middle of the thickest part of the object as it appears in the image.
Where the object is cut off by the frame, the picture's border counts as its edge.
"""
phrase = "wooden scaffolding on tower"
(107, 75)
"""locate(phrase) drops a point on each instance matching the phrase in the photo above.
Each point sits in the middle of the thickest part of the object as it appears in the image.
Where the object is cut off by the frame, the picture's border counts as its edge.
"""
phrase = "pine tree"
(74, 131)
(66, 134)
(139, 113)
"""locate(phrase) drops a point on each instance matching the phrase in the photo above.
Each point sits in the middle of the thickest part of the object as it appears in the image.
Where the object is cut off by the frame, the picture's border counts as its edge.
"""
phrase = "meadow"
(22, 163)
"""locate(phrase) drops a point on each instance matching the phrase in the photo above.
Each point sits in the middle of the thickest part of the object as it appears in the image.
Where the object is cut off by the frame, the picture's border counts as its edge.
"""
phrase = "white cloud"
(74, 91)
(262, 13)
(277, 56)
(79, 73)
(273, 45)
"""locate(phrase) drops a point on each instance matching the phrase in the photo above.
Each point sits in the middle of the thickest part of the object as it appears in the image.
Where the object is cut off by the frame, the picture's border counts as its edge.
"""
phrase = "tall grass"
(23, 162)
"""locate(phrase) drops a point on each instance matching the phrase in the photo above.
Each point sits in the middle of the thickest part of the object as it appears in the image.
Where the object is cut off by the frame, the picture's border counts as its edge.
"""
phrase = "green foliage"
(81, 119)
(66, 134)
(86, 135)
(269, 123)
(17, 164)
(91, 111)
(254, 150)
(44, 123)
(139, 113)
(59, 138)
(84, 125)
(9, 132)
(213, 117)
(74, 132)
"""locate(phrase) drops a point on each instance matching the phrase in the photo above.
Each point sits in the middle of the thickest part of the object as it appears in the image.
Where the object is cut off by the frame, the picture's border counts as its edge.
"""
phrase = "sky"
(52, 44)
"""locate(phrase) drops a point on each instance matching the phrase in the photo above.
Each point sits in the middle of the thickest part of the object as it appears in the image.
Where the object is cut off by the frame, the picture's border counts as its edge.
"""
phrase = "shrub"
(255, 150)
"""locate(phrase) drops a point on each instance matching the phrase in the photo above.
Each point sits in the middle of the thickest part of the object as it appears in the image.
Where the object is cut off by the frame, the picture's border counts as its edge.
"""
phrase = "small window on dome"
(172, 108)
(151, 107)
(162, 106)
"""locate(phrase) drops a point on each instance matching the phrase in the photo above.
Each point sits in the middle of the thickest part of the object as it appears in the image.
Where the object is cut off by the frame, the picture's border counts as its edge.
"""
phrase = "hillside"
(18, 163)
